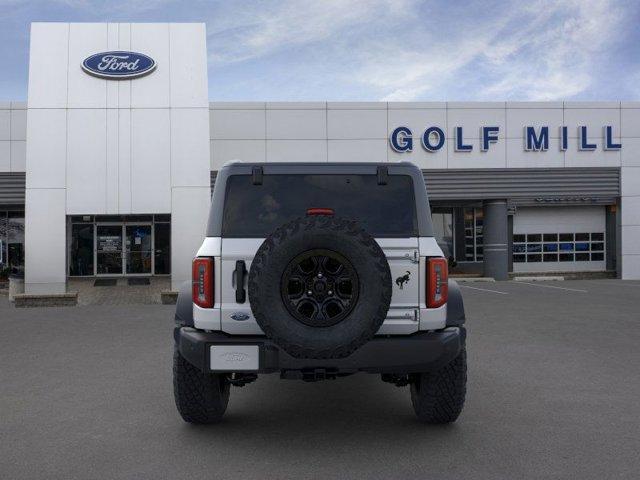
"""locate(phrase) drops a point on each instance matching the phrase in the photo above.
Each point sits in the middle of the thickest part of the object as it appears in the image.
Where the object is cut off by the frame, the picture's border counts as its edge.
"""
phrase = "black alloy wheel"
(319, 287)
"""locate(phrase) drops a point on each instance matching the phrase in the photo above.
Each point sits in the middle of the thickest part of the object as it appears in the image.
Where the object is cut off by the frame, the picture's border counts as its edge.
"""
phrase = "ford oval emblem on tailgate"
(239, 316)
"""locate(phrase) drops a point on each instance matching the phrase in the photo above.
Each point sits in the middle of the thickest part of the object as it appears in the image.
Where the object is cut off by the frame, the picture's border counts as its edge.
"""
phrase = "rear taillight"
(320, 211)
(437, 282)
(202, 282)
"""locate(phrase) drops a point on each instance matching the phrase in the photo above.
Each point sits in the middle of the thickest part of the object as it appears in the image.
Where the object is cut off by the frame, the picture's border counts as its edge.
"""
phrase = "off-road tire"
(201, 398)
(339, 235)
(438, 397)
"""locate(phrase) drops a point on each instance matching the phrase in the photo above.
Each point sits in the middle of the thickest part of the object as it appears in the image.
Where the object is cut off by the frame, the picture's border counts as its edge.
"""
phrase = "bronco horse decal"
(400, 281)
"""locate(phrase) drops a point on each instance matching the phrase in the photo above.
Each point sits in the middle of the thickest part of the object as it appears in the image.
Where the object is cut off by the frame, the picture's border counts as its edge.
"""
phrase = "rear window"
(256, 210)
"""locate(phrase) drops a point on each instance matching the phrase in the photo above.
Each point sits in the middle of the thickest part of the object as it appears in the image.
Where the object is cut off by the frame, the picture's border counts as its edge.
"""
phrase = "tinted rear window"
(256, 210)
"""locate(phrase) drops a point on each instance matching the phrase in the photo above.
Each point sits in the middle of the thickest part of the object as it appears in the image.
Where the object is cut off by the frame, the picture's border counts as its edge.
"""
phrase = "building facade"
(115, 174)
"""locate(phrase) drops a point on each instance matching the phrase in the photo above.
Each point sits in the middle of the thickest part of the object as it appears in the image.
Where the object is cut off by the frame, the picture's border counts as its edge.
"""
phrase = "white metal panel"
(189, 145)
(47, 152)
(237, 124)
(296, 150)
(5, 124)
(574, 157)
(188, 62)
(296, 124)
(189, 213)
(86, 161)
(150, 161)
(357, 150)
(495, 157)
(18, 156)
(223, 151)
(630, 154)
(113, 43)
(153, 90)
(124, 86)
(5, 156)
(518, 118)
(111, 166)
(592, 118)
(630, 126)
(518, 157)
(124, 160)
(48, 57)
(18, 124)
(357, 124)
(45, 241)
(86, 91)
(471, 119)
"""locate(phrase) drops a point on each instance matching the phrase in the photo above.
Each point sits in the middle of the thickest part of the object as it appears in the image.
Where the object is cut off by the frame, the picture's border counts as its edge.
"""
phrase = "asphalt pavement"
(554, 392)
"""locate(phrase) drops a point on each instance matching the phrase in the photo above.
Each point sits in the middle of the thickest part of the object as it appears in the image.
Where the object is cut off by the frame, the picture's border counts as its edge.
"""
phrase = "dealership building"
(107, 168)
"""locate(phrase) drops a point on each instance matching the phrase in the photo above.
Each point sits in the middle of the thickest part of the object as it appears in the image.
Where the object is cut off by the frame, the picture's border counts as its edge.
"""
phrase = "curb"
(538, 279)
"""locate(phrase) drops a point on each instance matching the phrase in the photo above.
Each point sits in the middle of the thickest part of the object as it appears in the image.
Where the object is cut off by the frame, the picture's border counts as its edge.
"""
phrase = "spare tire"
(320, 287)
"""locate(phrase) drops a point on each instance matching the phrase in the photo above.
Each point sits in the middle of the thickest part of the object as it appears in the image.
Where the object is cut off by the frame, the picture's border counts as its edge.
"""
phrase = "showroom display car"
(317, 271)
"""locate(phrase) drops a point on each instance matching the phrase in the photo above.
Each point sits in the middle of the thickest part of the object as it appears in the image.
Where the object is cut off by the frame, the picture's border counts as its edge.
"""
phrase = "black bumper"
(420, 352)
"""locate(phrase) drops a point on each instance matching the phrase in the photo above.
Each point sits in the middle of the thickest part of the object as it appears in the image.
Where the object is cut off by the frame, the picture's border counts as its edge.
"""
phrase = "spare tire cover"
(320, 287)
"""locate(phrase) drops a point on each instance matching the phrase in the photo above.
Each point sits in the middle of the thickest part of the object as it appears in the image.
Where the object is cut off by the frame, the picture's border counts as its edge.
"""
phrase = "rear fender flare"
(455, 306)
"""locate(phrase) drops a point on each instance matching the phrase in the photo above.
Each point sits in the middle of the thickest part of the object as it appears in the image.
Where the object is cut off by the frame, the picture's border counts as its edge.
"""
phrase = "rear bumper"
(420, 352)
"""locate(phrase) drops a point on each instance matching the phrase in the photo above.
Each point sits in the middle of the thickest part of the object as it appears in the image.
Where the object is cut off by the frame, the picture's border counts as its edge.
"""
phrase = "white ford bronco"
(318, 271)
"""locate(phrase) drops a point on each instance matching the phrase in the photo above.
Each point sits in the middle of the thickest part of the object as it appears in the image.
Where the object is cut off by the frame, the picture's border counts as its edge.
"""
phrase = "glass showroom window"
(12, 239)
(442, 219)
(473, 234)
(558, 247)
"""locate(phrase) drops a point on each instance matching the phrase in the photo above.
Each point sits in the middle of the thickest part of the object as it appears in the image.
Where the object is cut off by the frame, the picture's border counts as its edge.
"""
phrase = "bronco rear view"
(318, 271)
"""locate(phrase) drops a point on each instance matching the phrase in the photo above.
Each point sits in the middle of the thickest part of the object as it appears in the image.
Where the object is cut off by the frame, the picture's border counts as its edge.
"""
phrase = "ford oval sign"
(118, 65)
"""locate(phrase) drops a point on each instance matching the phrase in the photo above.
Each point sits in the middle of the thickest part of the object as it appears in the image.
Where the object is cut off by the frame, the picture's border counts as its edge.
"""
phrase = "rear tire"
(201, 398)
(438, 397)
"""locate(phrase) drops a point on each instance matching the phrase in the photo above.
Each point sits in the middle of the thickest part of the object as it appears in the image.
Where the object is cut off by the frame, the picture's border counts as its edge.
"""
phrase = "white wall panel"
(630, 267)
(153, 90)
(356, 124)
(48, 57)
(630, 153)
(472, 119)
(630, 181)
(113, 43)
(630, 211)
(18, 156)
(46, 148)
(111, 162)
(5, 124)
(518, 118)
(592, 118)
(5, 156)
(357, 151)
(630, 122)
(188, 65)
(421, 157)
(296, 150)
(45, 241)
(18, 124)
(237, 124)
(418, 120)
(630, 235)
(518, 157)
(86, 161)
(124, 161)
(86, 91)
(189, 145)
(597, 158)
(188, 225)
(150, 161)
(495, 157)
(124, 86)
(223, 151)
(296, 124)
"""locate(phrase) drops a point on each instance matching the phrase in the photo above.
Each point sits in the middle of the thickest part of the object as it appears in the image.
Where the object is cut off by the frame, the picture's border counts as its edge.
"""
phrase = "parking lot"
(554, 389)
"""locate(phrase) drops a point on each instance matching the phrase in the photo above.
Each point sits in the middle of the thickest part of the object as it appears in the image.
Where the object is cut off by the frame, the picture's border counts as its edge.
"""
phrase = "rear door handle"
(241, 271)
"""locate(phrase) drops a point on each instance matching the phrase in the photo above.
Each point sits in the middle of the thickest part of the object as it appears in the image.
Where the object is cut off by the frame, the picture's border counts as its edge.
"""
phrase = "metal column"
(495, 239)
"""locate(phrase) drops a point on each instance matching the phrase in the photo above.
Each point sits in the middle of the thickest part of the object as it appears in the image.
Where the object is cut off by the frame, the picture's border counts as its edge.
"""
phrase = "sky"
(377, 50)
